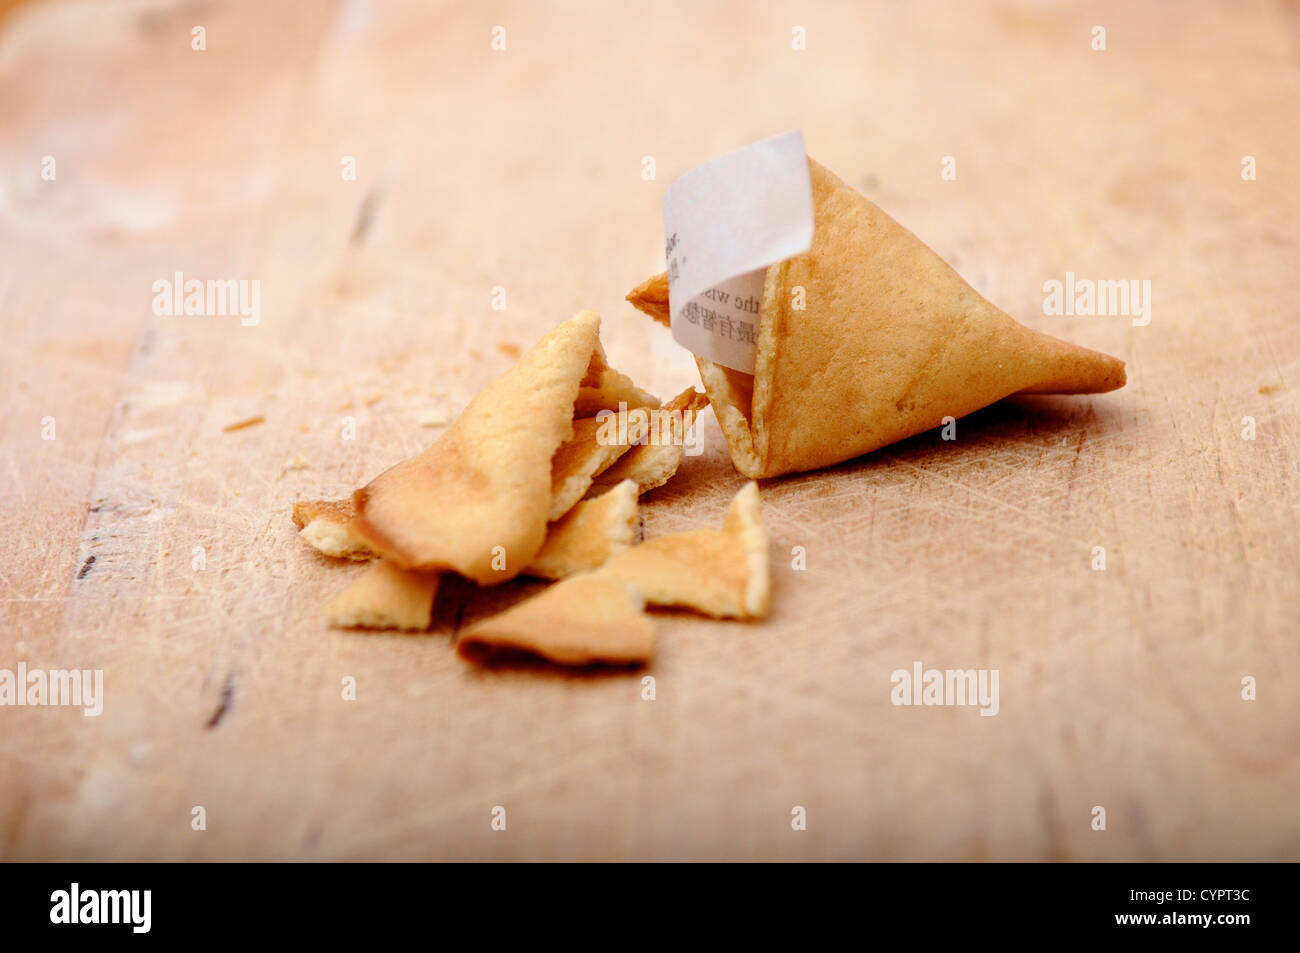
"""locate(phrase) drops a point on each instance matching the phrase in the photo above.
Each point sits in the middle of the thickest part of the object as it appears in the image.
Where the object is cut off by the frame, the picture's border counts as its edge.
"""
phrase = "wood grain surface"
(523, 169)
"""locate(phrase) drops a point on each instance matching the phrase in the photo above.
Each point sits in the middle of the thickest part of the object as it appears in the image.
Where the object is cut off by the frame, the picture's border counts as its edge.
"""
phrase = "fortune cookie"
(889, 341)
(479, 499)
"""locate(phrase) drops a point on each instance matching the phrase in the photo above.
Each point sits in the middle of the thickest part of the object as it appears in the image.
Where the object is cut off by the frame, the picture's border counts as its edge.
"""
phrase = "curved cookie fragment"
(582, 620)
(578, 461)
(889, 341)
(648, 466)
(720, 572)
(589, 534)
(323, 525)
(653, 464)
(486, 482)
(385, 597)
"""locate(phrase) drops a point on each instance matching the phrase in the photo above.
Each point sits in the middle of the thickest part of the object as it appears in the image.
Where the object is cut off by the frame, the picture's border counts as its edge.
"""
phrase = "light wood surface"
(523, 169)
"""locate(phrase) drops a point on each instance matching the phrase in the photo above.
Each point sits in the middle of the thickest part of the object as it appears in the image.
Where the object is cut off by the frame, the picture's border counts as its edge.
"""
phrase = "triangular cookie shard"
(603, 388)
(581, 620)
(482, 493)
(385, 597)
(589, 534)
(889, 340)
(651, 297)
(721, 573)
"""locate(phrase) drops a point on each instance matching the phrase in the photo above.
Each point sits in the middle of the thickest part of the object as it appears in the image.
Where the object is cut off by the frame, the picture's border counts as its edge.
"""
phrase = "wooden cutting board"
(150, 542)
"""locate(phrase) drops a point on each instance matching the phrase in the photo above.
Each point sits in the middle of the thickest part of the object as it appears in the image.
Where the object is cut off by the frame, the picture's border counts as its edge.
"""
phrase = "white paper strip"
(725, 222)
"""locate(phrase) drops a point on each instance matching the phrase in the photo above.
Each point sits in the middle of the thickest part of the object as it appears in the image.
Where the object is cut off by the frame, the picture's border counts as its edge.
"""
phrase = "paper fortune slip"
(726, 221)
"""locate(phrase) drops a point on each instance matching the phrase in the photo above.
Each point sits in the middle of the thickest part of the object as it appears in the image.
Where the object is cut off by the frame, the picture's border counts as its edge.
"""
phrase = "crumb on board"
(509, 349)
(241, 424)
(296, 462)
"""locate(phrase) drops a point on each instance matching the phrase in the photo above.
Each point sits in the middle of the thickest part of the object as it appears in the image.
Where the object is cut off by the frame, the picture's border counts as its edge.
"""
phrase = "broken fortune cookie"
(888, 342)
(484, 488)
